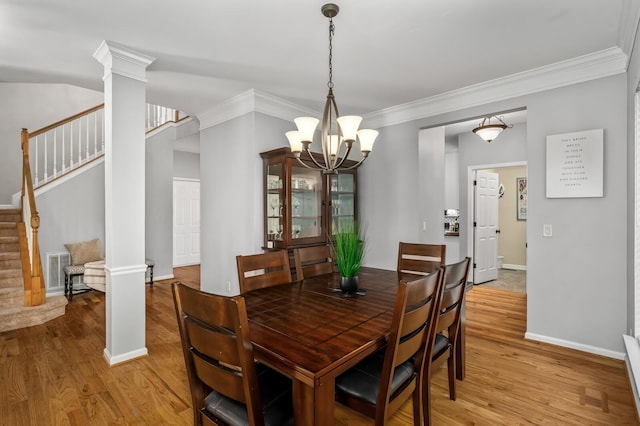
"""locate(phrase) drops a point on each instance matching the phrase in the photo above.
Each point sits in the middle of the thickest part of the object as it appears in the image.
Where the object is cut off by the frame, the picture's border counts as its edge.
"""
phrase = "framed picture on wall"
(521, 198)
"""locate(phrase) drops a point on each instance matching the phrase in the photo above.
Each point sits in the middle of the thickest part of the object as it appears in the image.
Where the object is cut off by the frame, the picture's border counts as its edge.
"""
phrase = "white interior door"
(186, 222)
(486, 227)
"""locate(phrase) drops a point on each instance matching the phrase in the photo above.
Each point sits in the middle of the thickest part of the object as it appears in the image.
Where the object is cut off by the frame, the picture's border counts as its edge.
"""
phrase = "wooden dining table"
(312, 333)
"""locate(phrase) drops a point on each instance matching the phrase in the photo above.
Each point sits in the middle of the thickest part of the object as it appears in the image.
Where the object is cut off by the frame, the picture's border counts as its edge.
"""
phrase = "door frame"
(471, 173)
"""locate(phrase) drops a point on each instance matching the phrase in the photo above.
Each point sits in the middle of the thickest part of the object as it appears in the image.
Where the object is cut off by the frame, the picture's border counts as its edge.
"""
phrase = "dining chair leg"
(417, 406)
(426, 394)
(451, 372)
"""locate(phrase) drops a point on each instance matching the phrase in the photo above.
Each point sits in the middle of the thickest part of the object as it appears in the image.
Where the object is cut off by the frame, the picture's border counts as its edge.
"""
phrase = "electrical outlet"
(547, 230)
(229, 286)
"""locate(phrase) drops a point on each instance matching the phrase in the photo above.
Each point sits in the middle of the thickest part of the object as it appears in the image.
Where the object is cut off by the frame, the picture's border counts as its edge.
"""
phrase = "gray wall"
(186, 165)
(633, 82)
(231, 188)
(33, 106)
(159, 201)
(570, 276)
(72, 212)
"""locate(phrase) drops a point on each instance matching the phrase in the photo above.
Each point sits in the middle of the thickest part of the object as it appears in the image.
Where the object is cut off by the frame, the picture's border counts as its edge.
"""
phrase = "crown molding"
(252, 101)
(577, 70)
(121, 60)
(629, 17)
(600, 64)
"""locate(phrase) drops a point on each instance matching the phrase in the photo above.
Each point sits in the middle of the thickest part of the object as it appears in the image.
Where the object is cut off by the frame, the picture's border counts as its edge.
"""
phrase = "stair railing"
(34, 290)
(64, 146)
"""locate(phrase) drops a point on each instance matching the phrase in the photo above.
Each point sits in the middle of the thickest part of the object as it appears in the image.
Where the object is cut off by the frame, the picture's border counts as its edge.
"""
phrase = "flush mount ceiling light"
(488, 131)
(338, 133)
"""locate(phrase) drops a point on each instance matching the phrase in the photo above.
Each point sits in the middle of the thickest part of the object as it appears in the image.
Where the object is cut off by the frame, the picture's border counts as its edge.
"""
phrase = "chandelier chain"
(331, 31)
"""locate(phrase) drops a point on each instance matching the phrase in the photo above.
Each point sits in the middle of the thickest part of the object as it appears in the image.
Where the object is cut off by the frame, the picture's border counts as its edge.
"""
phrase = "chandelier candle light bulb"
(337, 139)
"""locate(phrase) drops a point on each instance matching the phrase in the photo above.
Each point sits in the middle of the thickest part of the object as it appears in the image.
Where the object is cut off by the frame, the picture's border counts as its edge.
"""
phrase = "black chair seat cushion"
(275, 392)
(363, 380)
(441, 344)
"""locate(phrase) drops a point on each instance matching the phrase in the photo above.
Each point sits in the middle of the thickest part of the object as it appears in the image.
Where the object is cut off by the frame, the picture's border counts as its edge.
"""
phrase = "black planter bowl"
(349, 287)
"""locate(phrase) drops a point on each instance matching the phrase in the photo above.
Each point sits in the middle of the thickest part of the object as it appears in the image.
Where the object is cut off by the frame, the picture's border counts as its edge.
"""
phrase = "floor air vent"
(55, 273)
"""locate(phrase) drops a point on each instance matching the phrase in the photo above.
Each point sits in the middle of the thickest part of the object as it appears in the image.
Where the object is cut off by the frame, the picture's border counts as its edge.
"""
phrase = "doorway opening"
(186, 222)
(498, 238)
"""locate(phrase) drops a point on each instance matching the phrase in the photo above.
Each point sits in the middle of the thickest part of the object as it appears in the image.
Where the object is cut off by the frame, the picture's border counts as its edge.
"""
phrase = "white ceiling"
(385, 53)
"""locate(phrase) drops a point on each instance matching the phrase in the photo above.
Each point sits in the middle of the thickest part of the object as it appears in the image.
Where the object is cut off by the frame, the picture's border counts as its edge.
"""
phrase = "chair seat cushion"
(74, 269)
(276, 396)
(441, 344)
(94, 275)
(363, 380)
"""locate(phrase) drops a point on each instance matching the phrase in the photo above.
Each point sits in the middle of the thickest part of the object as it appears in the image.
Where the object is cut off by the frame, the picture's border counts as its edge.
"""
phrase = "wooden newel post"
(37, 284)
(34, 292)
(24, 138)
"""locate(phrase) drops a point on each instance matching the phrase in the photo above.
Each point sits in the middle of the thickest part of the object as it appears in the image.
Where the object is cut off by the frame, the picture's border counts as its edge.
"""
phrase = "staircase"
(13, 313)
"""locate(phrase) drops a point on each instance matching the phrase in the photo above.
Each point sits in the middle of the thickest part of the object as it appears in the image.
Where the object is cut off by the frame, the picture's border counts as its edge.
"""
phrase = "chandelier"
(338, 133)
(489, 131)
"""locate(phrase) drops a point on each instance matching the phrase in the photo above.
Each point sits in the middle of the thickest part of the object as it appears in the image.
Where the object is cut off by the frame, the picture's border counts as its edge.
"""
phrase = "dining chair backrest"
(262, 270)
(420, 258)
(217, 349)
(455, 280)
(412, 328)
(446, 330)
(312, 261)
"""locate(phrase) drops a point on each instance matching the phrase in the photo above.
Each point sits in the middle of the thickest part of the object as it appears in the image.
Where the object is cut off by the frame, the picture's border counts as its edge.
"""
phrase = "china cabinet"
(302, 206)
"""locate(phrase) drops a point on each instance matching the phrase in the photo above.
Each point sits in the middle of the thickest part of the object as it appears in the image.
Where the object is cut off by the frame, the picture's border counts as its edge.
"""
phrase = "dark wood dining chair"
(256, 271)
(312, 261)
(382, 383)
(420, 258)
(447, 329)
(226, 387)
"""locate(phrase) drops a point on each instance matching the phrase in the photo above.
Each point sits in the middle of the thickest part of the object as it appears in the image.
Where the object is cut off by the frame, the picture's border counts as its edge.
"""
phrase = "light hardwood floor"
(55, 374)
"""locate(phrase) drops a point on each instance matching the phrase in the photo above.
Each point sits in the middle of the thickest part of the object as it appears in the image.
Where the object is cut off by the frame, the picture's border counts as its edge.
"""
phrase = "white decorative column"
(124, 115)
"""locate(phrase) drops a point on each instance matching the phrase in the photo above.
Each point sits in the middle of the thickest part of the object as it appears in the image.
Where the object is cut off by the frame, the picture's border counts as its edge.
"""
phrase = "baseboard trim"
(160, 278)
(514, 267)
(632, 362)
(574, 345)
(118, 359)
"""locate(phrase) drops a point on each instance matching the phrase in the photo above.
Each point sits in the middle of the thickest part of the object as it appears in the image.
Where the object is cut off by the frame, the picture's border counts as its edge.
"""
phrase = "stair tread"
(14, 317)
(10, 255)
(51, 302)
(8, 290)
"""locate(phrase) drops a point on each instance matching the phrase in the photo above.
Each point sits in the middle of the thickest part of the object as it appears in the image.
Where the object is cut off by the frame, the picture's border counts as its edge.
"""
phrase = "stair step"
(11, 282)
(15, 317)
(10, 217)
(10, 263)
(10, 255)
(8, 232)
(11, 297)
(10, 273)
(9, 247)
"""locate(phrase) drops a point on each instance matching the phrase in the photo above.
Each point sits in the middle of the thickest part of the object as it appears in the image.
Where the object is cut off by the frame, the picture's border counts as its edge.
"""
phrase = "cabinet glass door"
(342, 200)
(306, 203)
(275, 198)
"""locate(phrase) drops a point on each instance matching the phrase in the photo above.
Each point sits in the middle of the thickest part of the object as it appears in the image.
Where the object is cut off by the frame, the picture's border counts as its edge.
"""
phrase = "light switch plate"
(547, 230)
